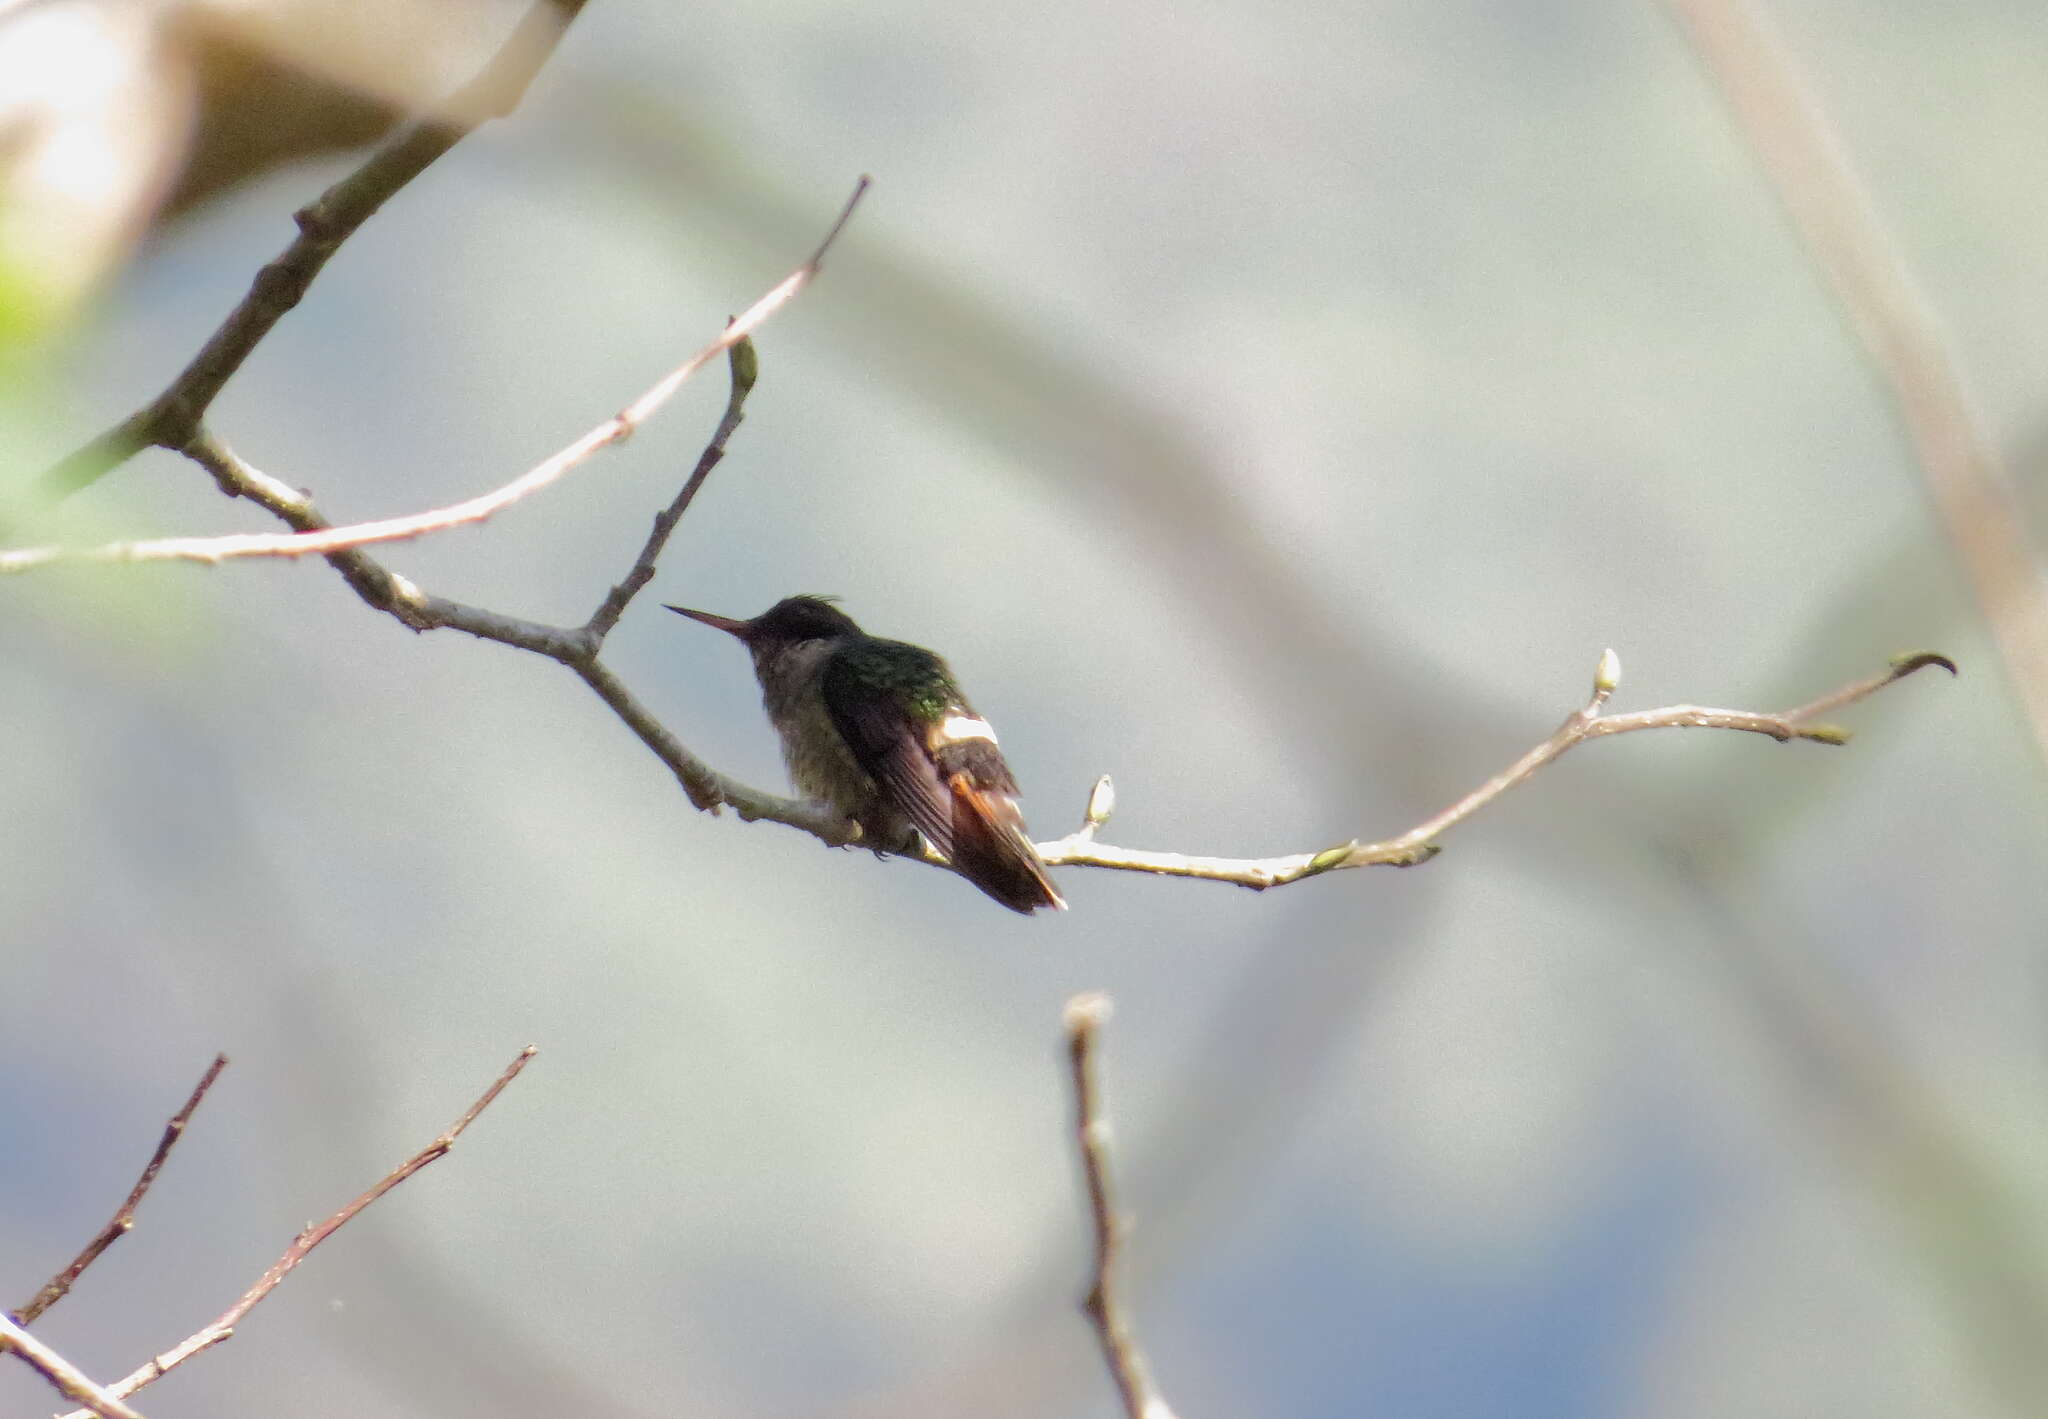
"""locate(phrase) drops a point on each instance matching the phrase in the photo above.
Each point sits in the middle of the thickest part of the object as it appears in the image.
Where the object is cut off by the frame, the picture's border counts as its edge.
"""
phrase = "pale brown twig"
(1418, 844)
(58, 1286)
(1813, 177)
(328, 539)
(73, 1383)
(173, 418)
(1085, 1016)
(745, 370)
(223, 1326)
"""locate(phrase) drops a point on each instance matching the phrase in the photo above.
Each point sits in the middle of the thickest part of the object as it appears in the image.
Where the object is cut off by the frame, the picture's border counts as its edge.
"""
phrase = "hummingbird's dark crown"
(802, 618)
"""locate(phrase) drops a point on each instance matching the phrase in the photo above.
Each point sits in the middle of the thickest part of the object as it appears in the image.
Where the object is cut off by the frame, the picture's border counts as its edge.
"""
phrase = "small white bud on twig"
(1607, 678)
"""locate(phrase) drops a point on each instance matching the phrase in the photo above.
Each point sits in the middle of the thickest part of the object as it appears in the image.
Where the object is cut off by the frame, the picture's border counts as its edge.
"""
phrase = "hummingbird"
(879, 730)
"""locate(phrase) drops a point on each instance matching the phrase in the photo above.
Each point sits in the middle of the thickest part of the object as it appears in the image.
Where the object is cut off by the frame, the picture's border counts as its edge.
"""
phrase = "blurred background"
(1278, 407)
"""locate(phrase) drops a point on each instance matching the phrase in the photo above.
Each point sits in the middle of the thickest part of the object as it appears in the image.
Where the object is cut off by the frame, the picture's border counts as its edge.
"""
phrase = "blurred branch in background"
(1085, 1017)
(58, 1286)
(1960, 1214)
(174, 417)
(1811, 172)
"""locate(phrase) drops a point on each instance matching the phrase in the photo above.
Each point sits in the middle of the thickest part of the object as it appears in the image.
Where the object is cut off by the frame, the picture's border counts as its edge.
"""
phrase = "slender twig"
(745, 370)
(1810, 170)
(73, 1383)
(1418, 844)
(1103, 1305)
(173, 418)
(320, 541)
(223, 1326)
(58, 1286)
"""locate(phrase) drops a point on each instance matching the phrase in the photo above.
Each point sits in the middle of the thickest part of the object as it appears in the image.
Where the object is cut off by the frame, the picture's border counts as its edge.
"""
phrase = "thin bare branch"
(73, 1383)
(324, 540)
(1103, 1305)
(58, 1286)
(173, 418)
(1418, 844)
(223, 1326)
(744, 368)
(1815, 180)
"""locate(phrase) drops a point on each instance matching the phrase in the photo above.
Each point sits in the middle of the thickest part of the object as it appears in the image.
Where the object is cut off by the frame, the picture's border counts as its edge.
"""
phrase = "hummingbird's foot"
(903, 843)
(847, 832)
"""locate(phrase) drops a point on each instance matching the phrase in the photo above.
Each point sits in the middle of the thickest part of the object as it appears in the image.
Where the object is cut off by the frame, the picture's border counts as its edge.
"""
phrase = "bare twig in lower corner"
(325, 540)
(71, 1382)
(1814, 177)
(223, 1326)
(1085, 1016)
(173, 418)
(58, 1286)
(1418, 844)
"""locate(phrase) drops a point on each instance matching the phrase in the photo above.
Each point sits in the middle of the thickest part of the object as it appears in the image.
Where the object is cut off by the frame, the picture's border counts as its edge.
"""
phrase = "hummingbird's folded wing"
(892, 750)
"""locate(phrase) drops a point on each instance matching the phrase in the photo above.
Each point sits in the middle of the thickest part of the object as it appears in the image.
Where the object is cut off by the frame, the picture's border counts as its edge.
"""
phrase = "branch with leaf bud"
(1081, 848)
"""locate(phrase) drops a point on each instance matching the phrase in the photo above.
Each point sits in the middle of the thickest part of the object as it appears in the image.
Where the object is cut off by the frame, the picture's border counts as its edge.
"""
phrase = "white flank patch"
(955, 727)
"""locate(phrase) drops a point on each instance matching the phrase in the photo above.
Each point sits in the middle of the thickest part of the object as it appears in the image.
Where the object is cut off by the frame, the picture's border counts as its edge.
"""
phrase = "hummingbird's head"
(788, 621)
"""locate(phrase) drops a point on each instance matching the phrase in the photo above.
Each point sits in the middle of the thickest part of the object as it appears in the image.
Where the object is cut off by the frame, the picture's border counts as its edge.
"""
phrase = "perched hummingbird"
(879, 730)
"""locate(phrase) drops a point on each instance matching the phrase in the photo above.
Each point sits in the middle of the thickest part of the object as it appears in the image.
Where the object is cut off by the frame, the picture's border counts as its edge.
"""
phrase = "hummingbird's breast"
(820, 765)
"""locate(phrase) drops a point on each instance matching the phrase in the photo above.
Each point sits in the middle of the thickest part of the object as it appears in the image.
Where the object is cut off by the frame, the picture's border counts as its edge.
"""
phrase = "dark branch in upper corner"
(58, 1286)
(174, 417)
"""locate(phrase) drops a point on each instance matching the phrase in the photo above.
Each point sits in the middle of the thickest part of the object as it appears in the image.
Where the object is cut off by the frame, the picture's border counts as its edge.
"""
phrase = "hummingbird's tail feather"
(991, 849)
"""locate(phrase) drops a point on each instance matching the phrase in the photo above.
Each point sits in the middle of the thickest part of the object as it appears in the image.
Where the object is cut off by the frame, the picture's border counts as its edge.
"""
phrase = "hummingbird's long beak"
(731, 627)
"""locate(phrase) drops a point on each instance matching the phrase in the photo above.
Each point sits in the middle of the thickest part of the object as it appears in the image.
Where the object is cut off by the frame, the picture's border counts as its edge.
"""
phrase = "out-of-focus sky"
(1276, 406)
